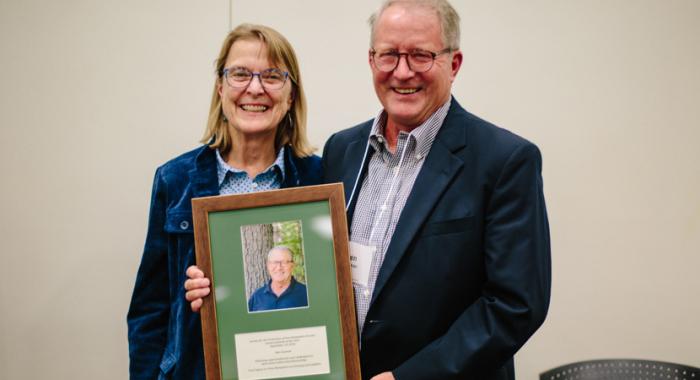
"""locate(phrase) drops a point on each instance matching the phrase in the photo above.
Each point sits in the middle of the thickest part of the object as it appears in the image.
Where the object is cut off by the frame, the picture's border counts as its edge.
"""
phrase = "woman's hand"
(197, 287)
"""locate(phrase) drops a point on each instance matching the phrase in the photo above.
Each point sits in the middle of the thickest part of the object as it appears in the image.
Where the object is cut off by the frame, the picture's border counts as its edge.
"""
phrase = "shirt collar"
(268, 286)
(424, 134)
(222, 168)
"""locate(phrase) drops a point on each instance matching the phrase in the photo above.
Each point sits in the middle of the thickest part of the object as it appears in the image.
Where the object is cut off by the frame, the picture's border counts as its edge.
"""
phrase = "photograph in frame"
(273, 253)
(248, 244)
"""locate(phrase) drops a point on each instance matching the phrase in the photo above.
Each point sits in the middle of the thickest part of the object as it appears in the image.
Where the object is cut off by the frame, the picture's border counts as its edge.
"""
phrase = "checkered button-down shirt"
(384, 192)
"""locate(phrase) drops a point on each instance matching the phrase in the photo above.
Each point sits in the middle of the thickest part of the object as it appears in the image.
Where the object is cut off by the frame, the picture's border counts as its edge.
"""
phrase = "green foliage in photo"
(289, 234)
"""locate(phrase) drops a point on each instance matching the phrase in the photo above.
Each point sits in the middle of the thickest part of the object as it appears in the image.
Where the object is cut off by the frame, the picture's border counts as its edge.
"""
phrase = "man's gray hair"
(449, 19)
(280, 248)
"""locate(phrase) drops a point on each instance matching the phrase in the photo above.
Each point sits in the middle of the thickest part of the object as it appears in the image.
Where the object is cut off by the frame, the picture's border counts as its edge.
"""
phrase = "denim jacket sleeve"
(150, 303)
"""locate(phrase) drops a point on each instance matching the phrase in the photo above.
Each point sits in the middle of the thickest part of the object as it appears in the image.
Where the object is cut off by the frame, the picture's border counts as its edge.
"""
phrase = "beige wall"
(95, 95)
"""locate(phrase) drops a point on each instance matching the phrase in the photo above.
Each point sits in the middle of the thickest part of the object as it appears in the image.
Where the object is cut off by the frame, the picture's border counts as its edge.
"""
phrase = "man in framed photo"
(282, 291)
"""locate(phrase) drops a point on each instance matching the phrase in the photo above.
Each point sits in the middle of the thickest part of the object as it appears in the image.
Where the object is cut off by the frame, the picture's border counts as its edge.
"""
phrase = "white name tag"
(360, 262)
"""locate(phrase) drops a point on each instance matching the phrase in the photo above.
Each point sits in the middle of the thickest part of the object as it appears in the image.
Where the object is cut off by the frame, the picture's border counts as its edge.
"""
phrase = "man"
(446, 209)
(282, 291)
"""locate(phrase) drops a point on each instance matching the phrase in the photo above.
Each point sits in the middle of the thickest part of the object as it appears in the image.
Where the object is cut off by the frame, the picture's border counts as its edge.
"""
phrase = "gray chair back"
(622, 369)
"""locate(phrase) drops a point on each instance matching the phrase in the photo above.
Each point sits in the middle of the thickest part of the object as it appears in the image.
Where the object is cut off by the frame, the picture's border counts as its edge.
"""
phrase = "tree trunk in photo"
(257, 242)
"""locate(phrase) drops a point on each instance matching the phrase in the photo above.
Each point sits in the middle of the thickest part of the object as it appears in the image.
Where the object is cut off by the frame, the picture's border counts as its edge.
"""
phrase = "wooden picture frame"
(240, 343)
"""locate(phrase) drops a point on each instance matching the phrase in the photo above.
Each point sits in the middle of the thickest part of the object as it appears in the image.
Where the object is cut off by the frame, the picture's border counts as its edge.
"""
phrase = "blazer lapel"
(355, 169)
(440, 166)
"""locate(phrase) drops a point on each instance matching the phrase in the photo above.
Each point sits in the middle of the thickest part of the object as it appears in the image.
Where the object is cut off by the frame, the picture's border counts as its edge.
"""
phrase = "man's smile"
(406, 90)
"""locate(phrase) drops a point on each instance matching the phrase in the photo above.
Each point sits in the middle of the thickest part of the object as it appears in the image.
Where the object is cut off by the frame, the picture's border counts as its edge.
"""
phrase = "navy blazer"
(466, 277)
(165, 336)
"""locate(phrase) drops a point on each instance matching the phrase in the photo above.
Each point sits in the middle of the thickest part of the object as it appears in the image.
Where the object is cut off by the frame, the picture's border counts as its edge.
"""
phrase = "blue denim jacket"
(165, 337)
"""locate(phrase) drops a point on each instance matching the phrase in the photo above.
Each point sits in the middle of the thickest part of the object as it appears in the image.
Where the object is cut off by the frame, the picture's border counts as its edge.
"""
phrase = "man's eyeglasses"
(418, 60)
(279, 263)
(240, 77)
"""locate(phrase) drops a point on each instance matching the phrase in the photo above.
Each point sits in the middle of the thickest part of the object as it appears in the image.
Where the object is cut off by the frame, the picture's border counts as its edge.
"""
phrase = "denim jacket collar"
(203, 176)
(291, 175)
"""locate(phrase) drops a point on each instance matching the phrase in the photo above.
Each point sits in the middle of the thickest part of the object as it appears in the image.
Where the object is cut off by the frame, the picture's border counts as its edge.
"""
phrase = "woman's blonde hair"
(292, 129)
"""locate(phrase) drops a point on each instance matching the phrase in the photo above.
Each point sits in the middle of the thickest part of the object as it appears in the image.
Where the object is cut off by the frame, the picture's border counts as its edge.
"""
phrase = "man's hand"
(383, 376)
(197, 287)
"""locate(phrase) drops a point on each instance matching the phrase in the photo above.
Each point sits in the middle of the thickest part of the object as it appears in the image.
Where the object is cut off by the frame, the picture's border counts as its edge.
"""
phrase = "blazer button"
(184, 224)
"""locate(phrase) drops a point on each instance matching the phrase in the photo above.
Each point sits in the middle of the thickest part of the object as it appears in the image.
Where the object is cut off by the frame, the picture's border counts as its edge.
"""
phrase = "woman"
(255, 140)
